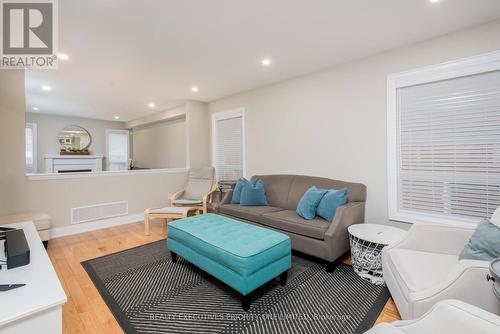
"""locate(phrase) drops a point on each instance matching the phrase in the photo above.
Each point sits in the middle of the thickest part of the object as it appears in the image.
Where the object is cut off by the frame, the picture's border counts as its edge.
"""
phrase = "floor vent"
(97, 212)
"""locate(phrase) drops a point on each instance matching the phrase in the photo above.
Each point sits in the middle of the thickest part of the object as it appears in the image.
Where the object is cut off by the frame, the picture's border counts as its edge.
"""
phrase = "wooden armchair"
(198, 191)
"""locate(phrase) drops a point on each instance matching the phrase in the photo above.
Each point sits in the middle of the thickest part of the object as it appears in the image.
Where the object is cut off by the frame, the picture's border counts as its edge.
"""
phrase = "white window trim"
(234, 113)
(454, 69)
(33, 127)
(110, 131)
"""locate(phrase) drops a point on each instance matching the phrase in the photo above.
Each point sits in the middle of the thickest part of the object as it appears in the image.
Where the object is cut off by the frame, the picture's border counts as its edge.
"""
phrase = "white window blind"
(117, 149)
(449, 147)
(228, 146)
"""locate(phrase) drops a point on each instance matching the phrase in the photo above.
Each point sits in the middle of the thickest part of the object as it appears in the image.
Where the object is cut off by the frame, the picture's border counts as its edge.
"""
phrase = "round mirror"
(74, 138)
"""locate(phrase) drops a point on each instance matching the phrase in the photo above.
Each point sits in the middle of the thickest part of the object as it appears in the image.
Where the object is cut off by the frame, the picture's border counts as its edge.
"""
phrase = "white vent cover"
(97, 212)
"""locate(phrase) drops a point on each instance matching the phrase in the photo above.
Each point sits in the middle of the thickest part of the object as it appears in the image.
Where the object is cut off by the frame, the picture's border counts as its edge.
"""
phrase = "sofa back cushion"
(285, 191)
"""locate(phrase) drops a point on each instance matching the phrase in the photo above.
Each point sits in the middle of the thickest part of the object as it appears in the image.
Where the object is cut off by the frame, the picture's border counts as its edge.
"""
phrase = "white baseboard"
(57, 232)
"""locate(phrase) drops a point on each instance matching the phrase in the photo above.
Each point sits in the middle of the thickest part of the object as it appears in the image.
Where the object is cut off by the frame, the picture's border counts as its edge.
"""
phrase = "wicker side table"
(367, 241)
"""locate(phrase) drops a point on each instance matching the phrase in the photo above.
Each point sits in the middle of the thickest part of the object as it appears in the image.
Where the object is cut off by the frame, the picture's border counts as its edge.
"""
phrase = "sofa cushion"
(253, 194)
(421, 270)
(290, 221)
(484, 244)
(309, 202)
(251, 213)
(277, 188)
(330, 202)
(237, 190)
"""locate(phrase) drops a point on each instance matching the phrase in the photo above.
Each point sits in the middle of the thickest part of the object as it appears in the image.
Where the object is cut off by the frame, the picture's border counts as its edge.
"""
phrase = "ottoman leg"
(245, 302)
(283, 277)
(174, 257)
(330, 266)
(45, 244)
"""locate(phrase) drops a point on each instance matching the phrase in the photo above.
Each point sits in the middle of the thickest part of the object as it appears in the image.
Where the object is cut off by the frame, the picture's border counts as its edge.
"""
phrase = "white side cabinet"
(37, 306)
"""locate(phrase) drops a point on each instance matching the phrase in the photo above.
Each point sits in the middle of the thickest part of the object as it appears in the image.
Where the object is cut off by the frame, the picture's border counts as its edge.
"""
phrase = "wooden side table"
(168, 213)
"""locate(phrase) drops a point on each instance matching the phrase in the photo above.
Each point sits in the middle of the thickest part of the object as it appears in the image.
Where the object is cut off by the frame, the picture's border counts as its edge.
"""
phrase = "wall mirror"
(74, 138)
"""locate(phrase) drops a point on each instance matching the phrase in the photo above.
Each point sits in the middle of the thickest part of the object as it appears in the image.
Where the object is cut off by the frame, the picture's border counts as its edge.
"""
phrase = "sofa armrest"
(442, 239)
(336, 236)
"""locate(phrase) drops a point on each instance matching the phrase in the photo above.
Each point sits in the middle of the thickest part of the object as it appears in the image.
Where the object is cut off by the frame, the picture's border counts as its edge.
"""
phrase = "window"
(31, 140)
(444, 142)
(117, 151)
(229, 144)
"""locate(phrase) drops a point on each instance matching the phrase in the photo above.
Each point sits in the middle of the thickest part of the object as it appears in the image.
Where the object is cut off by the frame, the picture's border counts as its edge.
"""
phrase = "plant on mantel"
(74, 151)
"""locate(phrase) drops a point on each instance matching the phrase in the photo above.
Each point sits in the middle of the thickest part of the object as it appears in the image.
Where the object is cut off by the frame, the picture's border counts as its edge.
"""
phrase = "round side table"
(367, 241)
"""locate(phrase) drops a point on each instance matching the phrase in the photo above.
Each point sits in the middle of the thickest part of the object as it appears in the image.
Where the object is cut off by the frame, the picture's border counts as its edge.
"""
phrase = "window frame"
(33, 127)
(488, 62)
(223, 115)
(117, 131)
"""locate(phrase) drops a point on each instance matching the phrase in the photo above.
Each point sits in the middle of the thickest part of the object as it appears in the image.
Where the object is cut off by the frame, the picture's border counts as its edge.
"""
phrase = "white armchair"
(423, 268)
(449, 316)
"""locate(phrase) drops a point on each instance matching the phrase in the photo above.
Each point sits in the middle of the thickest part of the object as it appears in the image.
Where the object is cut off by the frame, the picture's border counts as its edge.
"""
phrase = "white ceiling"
(126, 53)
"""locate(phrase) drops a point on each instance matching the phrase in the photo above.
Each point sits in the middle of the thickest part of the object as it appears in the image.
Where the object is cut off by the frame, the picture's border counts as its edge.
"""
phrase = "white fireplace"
(73, 163)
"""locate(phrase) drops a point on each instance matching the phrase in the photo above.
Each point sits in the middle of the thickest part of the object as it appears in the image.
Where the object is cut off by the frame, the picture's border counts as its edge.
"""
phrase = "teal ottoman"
(241, 255)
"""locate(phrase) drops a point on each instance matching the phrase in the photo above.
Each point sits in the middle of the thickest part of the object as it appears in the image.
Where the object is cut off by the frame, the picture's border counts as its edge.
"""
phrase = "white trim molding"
(62, 231)
(480, 64)
(53, 176)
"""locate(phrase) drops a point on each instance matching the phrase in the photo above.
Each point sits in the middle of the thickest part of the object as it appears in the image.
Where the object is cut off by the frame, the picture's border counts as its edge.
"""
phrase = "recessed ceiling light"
(62, 56)
(151, 105)
(35, 108)
(194, 89)
(46, 88)
(265, 62)
(434, 1)
(116, 117)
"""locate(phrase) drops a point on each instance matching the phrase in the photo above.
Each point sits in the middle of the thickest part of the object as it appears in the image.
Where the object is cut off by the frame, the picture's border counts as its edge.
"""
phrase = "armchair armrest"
(208, 198)
(336, 236)
(434, 238)
(176, 195)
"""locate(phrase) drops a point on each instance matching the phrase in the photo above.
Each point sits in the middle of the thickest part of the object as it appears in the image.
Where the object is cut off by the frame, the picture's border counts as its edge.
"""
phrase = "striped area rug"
(147, 293)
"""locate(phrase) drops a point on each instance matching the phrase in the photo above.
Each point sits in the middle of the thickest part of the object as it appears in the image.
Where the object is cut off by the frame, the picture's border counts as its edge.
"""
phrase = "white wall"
(160, 145)
(48, 127)
(333, 123)
(56, 197)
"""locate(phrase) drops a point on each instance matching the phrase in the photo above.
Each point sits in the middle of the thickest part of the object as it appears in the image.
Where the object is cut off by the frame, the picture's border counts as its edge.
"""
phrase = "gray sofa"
(315, 237)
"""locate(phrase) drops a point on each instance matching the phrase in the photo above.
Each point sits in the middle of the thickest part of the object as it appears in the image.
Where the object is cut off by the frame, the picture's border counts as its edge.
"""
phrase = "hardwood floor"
(85, 311)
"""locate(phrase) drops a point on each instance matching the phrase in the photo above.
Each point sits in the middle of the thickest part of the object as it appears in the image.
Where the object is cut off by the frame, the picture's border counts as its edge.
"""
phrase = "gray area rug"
(148, 293)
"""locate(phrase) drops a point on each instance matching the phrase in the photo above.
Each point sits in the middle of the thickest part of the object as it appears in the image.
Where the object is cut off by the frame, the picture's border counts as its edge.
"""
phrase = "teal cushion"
(484, 243)
(309, 202)
(237, 190)
(330, 202)
(254, 195)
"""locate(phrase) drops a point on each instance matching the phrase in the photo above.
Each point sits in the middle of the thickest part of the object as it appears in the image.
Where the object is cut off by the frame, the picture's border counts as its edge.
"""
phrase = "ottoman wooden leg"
(146, 222)
(245, 302)
(174, 257)
(283, 277)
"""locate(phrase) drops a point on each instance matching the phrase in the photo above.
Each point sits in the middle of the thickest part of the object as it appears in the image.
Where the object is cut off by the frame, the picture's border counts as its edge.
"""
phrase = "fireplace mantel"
(73, 163)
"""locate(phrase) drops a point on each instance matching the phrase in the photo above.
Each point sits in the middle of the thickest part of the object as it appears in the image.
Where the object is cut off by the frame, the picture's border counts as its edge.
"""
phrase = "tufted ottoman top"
(241, 247)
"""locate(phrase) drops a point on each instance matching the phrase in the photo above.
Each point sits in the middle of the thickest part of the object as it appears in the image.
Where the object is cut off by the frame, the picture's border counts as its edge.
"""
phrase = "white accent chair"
(423, 268)
(198, 190)
(448, 316)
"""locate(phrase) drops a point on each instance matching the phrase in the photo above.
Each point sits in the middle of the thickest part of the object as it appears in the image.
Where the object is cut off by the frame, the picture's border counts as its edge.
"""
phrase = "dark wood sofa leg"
(330, 266)
(245, 302)
(45, 244)
(173, 256)
(283, 277)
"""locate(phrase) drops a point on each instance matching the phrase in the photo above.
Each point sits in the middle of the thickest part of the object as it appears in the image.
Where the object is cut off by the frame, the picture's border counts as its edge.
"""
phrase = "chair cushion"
(330, 202)
(309, 202)
(184, 201)
(421, 270)
(251, 213)
(170, 209)
(290, 221)
(484, 244)
(197, 188)
(253, 194)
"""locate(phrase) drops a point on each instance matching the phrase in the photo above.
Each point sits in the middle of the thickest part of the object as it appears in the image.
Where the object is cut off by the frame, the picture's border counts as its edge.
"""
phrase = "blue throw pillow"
(237, 190)
(309, 202)
(330, 202)
(254, 195)
(484, 243)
